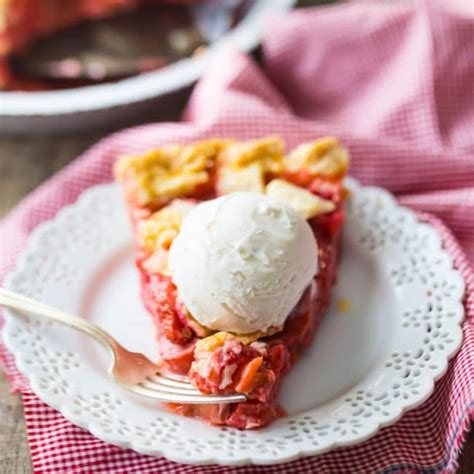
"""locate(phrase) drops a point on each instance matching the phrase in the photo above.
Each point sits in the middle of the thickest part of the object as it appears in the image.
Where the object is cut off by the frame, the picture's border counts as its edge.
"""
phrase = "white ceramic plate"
(366, 367)
(21, 111)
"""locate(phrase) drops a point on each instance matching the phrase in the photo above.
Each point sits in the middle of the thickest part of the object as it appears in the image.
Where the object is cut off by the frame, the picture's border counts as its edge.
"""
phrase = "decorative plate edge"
(172, 455)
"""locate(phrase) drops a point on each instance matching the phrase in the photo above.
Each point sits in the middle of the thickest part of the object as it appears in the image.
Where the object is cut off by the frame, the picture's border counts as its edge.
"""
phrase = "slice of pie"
(237, 246)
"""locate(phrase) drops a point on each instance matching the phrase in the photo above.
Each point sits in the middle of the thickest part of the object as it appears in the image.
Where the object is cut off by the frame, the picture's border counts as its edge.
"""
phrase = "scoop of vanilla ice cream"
(242, 261)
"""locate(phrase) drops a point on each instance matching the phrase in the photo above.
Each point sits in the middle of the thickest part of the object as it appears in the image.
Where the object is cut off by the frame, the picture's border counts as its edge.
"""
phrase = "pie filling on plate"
(228, 235)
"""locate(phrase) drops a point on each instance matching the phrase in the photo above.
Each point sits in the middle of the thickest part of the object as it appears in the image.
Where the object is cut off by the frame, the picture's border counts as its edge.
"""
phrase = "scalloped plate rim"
(63, 408)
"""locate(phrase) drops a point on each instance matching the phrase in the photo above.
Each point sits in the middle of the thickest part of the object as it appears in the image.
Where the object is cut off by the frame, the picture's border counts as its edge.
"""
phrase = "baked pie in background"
(23, 22)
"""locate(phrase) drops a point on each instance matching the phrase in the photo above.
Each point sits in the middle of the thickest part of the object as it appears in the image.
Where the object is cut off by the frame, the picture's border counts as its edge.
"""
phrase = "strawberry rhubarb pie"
(237, 247)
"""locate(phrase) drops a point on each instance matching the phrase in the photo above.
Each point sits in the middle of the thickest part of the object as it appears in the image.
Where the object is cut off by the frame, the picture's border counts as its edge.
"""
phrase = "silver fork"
(131, 370)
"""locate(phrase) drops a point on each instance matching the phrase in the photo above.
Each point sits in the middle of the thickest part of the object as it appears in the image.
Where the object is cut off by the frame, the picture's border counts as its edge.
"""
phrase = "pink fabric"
(394, 82)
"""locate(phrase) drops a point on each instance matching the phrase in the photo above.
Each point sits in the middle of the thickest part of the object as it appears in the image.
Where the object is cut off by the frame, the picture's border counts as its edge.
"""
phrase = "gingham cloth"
(394, 82)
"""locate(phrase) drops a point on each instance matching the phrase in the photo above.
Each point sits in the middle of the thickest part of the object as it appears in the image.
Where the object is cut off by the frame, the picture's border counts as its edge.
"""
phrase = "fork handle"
(23, 304)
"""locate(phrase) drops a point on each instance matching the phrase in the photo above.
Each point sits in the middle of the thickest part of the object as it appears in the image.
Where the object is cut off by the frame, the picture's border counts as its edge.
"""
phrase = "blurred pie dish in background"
(53, 44)
(61, 60)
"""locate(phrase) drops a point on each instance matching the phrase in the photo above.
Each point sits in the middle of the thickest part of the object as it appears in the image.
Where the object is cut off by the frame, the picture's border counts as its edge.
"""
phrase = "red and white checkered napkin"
(395, 84)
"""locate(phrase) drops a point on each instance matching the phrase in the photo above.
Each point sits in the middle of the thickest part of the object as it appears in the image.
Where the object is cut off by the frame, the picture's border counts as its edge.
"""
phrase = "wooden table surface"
(25, 162)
